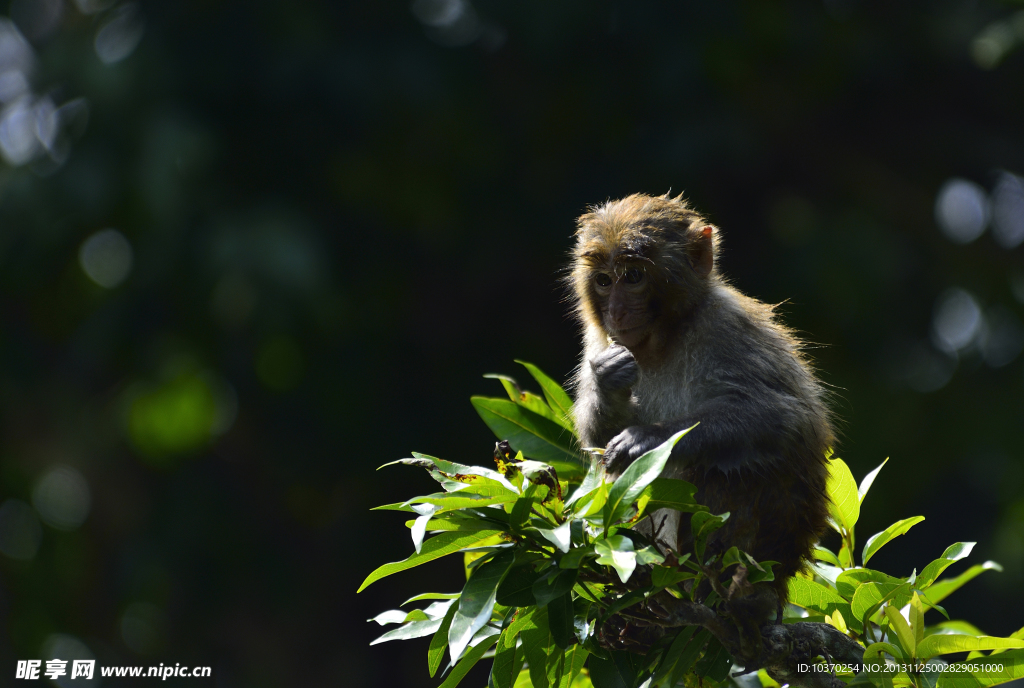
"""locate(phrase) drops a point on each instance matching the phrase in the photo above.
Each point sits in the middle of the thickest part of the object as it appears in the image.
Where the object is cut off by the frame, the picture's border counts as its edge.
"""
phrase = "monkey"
(668, 343)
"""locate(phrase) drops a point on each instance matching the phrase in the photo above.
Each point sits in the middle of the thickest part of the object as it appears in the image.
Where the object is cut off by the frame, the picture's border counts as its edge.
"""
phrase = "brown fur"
(703, 353)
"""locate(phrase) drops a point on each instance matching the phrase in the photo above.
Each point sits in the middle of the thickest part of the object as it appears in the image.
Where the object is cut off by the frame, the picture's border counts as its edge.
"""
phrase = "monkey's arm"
(736, 429)
(603, 395)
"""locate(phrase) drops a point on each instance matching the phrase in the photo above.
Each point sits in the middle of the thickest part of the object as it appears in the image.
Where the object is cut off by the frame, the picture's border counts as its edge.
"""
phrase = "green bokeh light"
(172, 419)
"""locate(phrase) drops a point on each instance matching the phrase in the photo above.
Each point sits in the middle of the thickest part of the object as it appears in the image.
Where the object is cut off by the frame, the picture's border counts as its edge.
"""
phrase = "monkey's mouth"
(630, 336)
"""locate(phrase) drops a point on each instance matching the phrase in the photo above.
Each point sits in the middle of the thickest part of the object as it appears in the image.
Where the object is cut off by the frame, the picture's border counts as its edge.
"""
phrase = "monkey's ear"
(702, 252)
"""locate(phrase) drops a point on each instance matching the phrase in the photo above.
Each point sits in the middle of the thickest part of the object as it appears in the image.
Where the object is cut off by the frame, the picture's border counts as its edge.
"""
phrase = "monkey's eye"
(603, 280)
(633, 275)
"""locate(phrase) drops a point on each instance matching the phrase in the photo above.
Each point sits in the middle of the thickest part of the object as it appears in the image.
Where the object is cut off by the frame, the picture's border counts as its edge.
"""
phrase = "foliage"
(553, 560)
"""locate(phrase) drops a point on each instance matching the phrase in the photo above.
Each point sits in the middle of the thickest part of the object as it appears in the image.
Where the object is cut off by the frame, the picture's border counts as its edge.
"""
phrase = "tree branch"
(783, 646)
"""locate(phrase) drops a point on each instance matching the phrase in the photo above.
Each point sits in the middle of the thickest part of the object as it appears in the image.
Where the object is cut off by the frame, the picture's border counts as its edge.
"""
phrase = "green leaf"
(560, 619)
(397, 506)
(583, 625)
(390, 617)
(649, 555)
(592, 480)
(440, 641)
(823, 554)
(497, 517)
(536, 436)
(523, 621)
(469, 498)
(845, 556)
(590, 507)
(477, 602)
(844, 503)
(472, 657)
(930, 604)
(873, 657)
(813, 595)
(868, 480)
(618, 672)
(431, 596)
(449, 484)
(942, 589)
(466, 473)
(575, 658)
(836, 620)
(903, 631)
(413, 629)
(421, 463)
(554, 583)
(545, 659)
(534, 403)
(827, 571)
(689, 656)
(559, 537)
(877, 649)
(848, 581)
(617, 552)
(955, 552)
(540, 474)
(876, 541)
(516, 590)
(419, 526)
(870, 596)
(521, 511)
(715, 663)
(935, 645)
(669, 493)
(559, 401)
(664, 576)
(508, 662)
(436, 610)
(763, 573)
(512, 387)
(450, 501)
(917, 618)
(703, 524)
(456, 482)
(1013, 668)
(575, 557)
(434, 548)
(641, 473)
(954, 628)
(672, 655)
(539, 405)
(734, 555)
(819, 598)
(453, 521)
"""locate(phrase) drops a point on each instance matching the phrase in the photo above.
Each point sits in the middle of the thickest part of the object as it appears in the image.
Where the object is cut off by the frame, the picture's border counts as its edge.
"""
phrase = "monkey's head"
(640, 265)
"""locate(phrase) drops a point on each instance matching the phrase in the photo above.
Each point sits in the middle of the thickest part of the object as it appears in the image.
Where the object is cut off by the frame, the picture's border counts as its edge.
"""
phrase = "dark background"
(340, 215)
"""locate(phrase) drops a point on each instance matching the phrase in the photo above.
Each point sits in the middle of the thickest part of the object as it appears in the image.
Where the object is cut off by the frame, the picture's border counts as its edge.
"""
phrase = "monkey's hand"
(615, 368)
(630, 444)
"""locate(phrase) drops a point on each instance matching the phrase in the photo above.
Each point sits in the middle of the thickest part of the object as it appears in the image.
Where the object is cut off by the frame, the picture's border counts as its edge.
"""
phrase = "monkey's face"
(640, 265)
(622, 296)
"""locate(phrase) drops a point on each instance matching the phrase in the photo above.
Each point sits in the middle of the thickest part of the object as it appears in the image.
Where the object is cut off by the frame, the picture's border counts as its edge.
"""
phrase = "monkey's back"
(771, 479)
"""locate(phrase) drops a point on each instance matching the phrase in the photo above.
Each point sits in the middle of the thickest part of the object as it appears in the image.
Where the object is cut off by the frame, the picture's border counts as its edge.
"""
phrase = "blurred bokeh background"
(250, 251)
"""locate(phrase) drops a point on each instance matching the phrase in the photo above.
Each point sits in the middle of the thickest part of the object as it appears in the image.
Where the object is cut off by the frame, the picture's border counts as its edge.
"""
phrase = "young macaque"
(668, 343)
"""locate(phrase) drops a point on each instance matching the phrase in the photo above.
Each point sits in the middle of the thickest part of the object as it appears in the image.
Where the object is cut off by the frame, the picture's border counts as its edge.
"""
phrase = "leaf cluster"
(554, 563)
(886, 613)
